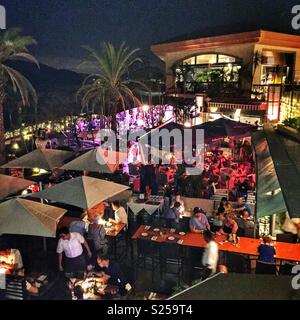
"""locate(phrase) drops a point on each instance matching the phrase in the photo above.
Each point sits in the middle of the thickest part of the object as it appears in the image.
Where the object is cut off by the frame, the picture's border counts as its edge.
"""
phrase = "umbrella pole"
(44, 244)
(42, 201)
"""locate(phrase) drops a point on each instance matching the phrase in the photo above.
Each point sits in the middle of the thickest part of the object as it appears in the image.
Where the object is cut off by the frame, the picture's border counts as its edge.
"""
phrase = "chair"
(184, 224)
(15, 288)
(286, 237)
(172, 255)
(147, 252)
(236, 263)
(286, 269)
(265, 268)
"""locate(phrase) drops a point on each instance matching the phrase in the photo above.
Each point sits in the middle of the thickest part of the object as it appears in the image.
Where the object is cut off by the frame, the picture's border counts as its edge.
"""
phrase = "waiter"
(70, 243)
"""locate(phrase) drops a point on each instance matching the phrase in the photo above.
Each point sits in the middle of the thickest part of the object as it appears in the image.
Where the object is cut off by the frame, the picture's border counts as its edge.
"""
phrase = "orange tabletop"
(66, 221)
(247, 246)
(118, 228)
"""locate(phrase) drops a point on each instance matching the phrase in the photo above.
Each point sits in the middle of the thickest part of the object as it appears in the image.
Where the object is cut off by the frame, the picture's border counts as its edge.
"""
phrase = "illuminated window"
(206, 59)
(189, 61)
(225, 59)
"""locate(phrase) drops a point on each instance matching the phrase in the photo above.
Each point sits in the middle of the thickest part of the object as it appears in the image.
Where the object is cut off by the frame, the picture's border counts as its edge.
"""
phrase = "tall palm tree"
(110, 87)
(13, 46)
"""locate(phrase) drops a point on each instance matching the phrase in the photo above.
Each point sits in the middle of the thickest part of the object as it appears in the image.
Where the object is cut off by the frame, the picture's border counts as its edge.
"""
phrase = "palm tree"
(110, 87)
(13, 46)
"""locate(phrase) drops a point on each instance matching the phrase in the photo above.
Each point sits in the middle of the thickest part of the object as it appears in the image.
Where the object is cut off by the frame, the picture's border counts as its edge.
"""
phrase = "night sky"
(61, 27)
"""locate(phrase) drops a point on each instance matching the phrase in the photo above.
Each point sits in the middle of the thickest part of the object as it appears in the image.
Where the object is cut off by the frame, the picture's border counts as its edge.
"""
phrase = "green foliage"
(109, 87)
(14, 46)
(293, 123)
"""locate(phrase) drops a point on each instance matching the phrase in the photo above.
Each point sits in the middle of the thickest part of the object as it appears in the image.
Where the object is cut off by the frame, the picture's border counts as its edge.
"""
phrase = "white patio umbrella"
(25, 217)
(83, 192)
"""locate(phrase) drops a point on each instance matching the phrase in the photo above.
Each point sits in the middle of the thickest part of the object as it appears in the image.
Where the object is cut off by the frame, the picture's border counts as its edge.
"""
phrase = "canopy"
(285, 152)
(269, 195)
(47, 159)
(10, 185)
(97, 160)
(25, 217)
(238, 286)
(225, 128)
(83, 192)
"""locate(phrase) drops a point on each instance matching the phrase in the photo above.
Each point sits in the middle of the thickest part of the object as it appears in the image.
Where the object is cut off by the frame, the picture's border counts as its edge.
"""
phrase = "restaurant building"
(249, 74)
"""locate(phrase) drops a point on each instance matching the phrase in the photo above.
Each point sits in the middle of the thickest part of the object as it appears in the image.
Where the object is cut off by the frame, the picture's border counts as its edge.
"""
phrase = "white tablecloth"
(149, 208)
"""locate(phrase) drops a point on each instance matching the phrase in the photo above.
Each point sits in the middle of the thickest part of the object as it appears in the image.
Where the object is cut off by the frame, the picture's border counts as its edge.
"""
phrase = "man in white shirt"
(120, 213)
(70, 243)
(210, 256)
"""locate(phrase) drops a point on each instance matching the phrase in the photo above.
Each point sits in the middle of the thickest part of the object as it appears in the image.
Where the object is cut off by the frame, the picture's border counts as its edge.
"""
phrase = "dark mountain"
(48, 79)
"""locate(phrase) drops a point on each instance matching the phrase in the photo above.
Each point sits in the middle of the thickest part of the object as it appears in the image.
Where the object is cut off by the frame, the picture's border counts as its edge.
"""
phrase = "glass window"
(225, 59)
(189, 61)
(206, 59)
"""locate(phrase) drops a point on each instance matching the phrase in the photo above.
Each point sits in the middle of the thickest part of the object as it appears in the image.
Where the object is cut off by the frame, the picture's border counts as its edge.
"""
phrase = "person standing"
(96, 236)
(71, 244)
(172, 216)
(120, 213)
(210, 256)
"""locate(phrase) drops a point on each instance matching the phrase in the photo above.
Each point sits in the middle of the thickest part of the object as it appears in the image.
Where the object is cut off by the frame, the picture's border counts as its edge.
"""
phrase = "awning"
(278, 173)
(285, 153)
(235, 286)
(269, 199)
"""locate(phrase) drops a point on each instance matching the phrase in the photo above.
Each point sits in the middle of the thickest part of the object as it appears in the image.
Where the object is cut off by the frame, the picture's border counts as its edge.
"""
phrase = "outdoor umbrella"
(155, 132)
(225, 128)
(47, 159)
(10, 185)
(25, 217)
(97, 160)
(83, 192)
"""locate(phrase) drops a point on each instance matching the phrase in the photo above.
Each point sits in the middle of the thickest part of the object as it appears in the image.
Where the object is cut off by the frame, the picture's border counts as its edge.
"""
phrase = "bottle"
(95, 288)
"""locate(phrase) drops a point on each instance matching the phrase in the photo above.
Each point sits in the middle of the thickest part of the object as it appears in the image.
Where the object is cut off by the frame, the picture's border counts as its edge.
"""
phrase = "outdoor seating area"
(133, 167)
(152, 231)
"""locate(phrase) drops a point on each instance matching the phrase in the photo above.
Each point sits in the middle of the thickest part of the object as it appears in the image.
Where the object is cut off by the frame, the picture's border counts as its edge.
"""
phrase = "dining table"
(94, 289)
(246, 246)
(150, 205)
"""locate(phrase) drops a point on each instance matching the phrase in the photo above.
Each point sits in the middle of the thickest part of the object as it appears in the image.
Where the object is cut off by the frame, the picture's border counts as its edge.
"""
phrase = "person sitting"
(199, 221)
(111, 273)
(244, 223)
(267, 251)
(178, 199)
(229, 226)
(70, 243)
(11, 260)
(172, 216)
(221, 208)
(120, 214)
(241, 205)
(210, 256)
(78, 293)
(96, 236)
(80, 226)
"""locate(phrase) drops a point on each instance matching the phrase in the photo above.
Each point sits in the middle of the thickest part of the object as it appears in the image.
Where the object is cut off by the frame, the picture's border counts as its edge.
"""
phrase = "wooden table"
(101, 295)
(66, 221)
(247, 246)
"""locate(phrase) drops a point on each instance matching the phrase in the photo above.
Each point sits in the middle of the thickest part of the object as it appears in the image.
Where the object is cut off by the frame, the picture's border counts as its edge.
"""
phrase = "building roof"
(235, 286)
(278, 164)
(213, 40)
